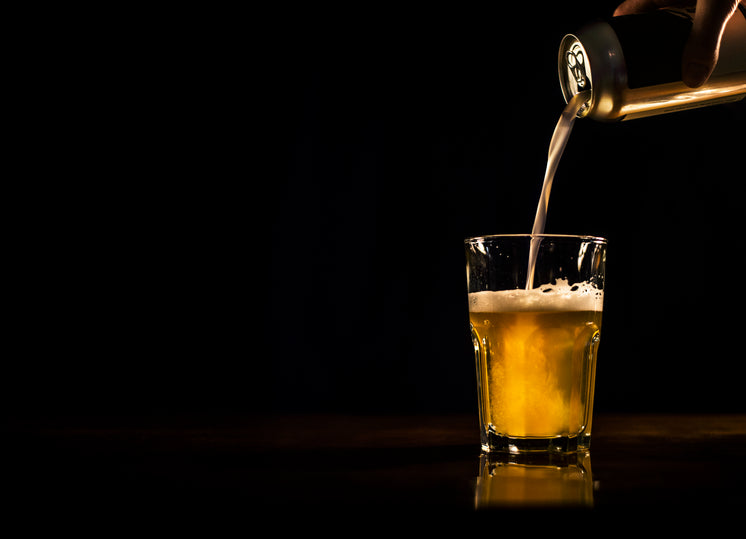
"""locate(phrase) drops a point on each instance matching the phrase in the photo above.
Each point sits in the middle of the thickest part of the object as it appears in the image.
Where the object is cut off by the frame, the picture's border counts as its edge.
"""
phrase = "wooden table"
(339, 464)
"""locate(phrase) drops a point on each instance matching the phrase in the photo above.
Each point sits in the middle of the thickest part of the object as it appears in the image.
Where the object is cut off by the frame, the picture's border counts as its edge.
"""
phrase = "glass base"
(556, 444)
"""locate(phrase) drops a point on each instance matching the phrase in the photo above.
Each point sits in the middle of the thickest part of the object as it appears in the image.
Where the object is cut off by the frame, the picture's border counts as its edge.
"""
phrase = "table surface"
(386, 464)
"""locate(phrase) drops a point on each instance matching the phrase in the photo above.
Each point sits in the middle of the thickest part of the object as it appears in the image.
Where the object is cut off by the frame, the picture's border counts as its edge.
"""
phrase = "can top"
(572, 62)
(592, 60)
(574, 70)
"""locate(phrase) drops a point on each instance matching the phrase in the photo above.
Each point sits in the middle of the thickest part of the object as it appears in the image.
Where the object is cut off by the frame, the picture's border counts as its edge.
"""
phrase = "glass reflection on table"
(534, 481)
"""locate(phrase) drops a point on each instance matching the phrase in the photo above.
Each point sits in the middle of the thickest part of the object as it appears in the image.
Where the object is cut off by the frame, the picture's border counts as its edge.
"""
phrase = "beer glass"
(535, 304)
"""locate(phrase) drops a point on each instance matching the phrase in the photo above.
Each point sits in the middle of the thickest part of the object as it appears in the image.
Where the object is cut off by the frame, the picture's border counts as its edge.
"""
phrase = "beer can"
(632, 65)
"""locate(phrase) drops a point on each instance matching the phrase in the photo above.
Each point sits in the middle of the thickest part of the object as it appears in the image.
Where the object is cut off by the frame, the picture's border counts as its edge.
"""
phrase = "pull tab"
(574, 71)
(576, 66)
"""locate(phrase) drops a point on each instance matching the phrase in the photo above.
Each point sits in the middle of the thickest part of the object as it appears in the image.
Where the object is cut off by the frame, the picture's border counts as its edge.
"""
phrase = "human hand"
(703, 46)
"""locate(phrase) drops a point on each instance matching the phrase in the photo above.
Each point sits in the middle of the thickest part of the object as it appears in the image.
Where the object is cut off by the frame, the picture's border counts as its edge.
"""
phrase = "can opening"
(574, 71)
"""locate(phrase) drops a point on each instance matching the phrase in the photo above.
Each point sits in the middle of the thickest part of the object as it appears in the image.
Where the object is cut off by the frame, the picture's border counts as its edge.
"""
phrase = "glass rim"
(594, 239)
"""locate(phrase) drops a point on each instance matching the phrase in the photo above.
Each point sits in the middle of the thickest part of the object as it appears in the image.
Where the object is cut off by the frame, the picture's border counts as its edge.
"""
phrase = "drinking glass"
(535, 305)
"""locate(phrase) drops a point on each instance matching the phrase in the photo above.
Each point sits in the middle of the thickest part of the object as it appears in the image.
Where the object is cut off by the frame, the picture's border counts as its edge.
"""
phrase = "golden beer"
(536, 361)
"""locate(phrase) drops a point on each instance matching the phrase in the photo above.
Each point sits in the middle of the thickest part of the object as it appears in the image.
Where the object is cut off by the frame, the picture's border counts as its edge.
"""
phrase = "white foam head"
(555, 297)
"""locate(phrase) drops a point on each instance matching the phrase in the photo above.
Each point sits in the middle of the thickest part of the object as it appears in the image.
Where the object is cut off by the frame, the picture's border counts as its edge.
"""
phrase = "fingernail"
(695, 74)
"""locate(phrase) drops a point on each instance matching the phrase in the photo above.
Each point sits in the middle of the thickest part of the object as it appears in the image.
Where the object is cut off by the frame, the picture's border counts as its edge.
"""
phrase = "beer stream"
(556, 147)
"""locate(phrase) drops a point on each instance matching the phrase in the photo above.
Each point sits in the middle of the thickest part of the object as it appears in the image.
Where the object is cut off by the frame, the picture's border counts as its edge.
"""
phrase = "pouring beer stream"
(556, 147)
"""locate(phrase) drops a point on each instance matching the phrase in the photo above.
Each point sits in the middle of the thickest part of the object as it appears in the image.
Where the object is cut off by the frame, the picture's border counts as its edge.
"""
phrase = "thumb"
(703, 46)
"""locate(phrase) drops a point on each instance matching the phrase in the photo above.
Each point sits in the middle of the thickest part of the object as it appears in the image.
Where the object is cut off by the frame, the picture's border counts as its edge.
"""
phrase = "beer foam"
(561, 296)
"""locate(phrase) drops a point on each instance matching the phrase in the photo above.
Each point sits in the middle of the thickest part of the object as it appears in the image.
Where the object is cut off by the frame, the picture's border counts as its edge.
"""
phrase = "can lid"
(592, 60)
(574, 70)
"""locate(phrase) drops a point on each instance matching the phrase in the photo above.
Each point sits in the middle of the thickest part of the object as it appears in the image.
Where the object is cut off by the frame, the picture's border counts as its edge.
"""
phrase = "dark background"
(275, 223)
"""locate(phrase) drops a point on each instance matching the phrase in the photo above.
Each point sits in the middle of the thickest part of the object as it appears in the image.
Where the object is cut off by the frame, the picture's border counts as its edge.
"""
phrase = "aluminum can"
(632, 65)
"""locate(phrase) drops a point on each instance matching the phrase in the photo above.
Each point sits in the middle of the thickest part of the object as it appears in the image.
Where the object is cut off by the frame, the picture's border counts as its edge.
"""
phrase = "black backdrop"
(280, 227)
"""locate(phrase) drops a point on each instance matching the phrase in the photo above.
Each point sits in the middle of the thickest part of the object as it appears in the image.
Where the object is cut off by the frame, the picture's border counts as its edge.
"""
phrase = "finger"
(630, 7)
(702, 47)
